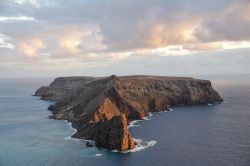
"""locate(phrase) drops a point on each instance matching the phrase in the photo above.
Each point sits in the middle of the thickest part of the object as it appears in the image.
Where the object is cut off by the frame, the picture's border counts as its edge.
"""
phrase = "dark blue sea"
(207, 135)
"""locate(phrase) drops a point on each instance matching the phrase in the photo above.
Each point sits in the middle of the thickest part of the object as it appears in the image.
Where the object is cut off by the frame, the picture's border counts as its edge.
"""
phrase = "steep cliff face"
(100, 108)
(63, 87)
(113, 134)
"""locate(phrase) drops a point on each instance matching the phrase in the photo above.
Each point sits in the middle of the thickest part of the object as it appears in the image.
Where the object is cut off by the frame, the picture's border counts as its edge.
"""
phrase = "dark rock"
(113, 134)
(89, 145)
(99, 108)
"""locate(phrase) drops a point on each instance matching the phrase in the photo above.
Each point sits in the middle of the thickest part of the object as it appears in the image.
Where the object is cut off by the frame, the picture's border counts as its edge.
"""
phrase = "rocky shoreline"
(101, 108)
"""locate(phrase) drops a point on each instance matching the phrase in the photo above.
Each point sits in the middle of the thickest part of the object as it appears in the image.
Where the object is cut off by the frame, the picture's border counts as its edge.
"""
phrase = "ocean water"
(213, 135)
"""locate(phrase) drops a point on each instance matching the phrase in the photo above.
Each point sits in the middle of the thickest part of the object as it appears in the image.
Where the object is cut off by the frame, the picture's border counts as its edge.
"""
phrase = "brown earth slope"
(100, 108)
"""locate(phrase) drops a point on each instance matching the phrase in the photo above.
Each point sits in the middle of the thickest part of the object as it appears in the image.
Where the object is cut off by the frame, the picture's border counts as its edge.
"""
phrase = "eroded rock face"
(100, 108)
(114, 134)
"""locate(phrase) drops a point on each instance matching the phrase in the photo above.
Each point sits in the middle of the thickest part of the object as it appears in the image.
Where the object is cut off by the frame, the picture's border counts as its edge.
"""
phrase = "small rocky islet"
(100, 108)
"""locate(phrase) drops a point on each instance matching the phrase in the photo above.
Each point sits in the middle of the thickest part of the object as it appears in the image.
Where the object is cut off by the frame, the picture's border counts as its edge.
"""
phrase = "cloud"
(149, 24)
(11, 19)
(5, 42)
(219, 62)
(70, 40)
(81, 40)
(203, 46)
(154, 24)
(230, 24)
(103, 32)
(31, 47)
(128, 25)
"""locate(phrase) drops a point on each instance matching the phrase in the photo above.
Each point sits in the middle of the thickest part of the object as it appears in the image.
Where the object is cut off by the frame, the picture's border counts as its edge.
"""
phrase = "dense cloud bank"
(109, 31)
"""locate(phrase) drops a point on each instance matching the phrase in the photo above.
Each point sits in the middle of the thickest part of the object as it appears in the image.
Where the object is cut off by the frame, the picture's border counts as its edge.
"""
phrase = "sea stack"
(101, 108)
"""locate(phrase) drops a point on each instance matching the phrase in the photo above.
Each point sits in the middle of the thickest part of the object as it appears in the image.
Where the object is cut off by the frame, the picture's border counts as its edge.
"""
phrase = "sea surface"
(214, 135)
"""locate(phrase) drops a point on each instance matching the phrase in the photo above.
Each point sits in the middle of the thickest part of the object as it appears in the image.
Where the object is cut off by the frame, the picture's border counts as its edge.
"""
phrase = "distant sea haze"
(187, 136)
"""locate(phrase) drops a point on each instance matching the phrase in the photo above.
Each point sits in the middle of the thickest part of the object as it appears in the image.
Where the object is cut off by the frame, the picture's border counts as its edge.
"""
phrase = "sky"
(50, 38)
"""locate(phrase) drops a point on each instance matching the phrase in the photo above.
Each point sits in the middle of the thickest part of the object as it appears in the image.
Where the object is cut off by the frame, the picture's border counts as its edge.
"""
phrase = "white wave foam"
(98, 154)
(170, 110)
(134, 123)
(141, 145)
(74, 131)
(72, 139)
(68, 138)
(209, 104)
(148, 117)
(70, 124)
(130, 126)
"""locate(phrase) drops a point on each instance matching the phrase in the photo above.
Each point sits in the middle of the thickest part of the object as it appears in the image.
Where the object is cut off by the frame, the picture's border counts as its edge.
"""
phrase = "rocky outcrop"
(101, 108)
(113, 134)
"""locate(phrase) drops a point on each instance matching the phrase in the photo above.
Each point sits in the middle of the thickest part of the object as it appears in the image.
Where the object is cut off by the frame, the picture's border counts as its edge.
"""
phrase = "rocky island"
(100, 108)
